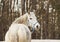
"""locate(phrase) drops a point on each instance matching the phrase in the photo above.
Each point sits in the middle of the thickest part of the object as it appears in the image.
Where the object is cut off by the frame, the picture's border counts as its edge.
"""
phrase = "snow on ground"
(45, 40)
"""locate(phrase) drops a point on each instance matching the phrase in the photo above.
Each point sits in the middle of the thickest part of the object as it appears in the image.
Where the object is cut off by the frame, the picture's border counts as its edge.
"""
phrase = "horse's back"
(17, 33)
(11, 34)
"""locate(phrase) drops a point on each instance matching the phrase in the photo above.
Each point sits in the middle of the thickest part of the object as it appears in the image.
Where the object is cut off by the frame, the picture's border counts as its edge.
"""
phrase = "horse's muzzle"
(37, 26)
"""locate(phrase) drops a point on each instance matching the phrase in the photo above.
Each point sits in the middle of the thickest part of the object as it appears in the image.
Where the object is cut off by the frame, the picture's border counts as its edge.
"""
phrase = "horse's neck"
(21, 20)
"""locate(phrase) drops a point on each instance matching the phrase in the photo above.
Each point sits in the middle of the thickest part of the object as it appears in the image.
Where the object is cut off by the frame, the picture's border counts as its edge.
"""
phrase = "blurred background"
(46, 11)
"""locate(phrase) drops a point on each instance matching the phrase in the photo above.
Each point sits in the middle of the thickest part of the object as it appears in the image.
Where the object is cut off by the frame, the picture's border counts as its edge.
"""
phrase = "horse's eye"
(30, 18)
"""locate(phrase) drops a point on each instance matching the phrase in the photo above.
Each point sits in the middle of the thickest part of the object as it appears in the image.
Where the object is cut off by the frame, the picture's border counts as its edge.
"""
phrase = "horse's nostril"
(37, 26)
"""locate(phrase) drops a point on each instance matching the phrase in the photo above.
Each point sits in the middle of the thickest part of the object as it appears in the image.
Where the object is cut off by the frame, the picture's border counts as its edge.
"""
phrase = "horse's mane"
(22, 19)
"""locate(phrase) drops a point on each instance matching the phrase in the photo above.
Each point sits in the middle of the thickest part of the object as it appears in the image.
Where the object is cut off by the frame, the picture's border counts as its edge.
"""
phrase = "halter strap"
(33, 27)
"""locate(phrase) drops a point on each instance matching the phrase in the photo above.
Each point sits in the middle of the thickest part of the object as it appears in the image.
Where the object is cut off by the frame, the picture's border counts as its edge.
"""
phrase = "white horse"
(19, 29)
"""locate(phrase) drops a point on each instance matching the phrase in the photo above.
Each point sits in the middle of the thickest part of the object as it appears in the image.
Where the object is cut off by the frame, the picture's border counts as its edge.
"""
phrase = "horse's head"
(32, 21)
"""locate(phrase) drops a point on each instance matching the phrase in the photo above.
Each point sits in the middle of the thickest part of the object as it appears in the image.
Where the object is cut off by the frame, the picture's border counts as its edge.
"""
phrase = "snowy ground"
(45, 40)
(42, 40)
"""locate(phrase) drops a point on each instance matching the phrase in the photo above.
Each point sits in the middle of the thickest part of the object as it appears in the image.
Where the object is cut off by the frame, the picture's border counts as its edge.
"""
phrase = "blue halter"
(33, 27)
